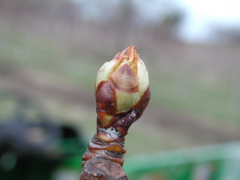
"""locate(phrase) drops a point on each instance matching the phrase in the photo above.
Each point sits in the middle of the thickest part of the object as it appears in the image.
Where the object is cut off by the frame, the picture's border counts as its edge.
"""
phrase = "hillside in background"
(52, 51)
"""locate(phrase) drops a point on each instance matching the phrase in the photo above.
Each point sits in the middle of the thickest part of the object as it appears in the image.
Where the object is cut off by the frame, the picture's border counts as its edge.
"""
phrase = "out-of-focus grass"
(48, 55)
(195, 99)
(21, 48)
(51, 56)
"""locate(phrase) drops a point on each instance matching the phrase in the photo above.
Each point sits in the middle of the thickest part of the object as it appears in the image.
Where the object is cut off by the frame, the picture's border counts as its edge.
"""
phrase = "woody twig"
(122, 93)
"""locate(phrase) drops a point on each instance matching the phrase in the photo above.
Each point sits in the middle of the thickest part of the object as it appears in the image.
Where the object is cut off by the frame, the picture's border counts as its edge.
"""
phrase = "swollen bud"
(122, 84)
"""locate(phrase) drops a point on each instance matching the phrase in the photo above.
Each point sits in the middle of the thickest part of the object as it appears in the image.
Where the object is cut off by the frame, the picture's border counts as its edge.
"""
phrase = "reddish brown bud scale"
(106, 100)
(143, 102)
(127, 81)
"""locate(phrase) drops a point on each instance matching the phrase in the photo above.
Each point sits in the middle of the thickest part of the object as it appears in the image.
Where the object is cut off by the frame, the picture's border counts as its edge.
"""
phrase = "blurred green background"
(52, 51)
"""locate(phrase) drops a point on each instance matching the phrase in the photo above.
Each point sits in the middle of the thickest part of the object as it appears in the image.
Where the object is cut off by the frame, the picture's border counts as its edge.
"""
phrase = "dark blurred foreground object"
(32, 146)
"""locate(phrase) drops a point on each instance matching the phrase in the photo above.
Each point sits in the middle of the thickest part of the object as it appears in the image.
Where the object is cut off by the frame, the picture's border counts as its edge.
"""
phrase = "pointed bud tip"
(129, 53)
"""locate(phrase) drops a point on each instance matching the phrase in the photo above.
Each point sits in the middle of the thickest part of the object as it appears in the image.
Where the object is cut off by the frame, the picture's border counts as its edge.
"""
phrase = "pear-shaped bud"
(122, 84)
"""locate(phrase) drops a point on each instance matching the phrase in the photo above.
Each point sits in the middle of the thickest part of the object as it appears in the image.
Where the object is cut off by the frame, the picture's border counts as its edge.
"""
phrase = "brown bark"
(99, 168)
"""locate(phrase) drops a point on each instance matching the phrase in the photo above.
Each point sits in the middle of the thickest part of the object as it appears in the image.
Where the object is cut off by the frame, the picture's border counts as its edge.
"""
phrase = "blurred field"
(53, 53)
